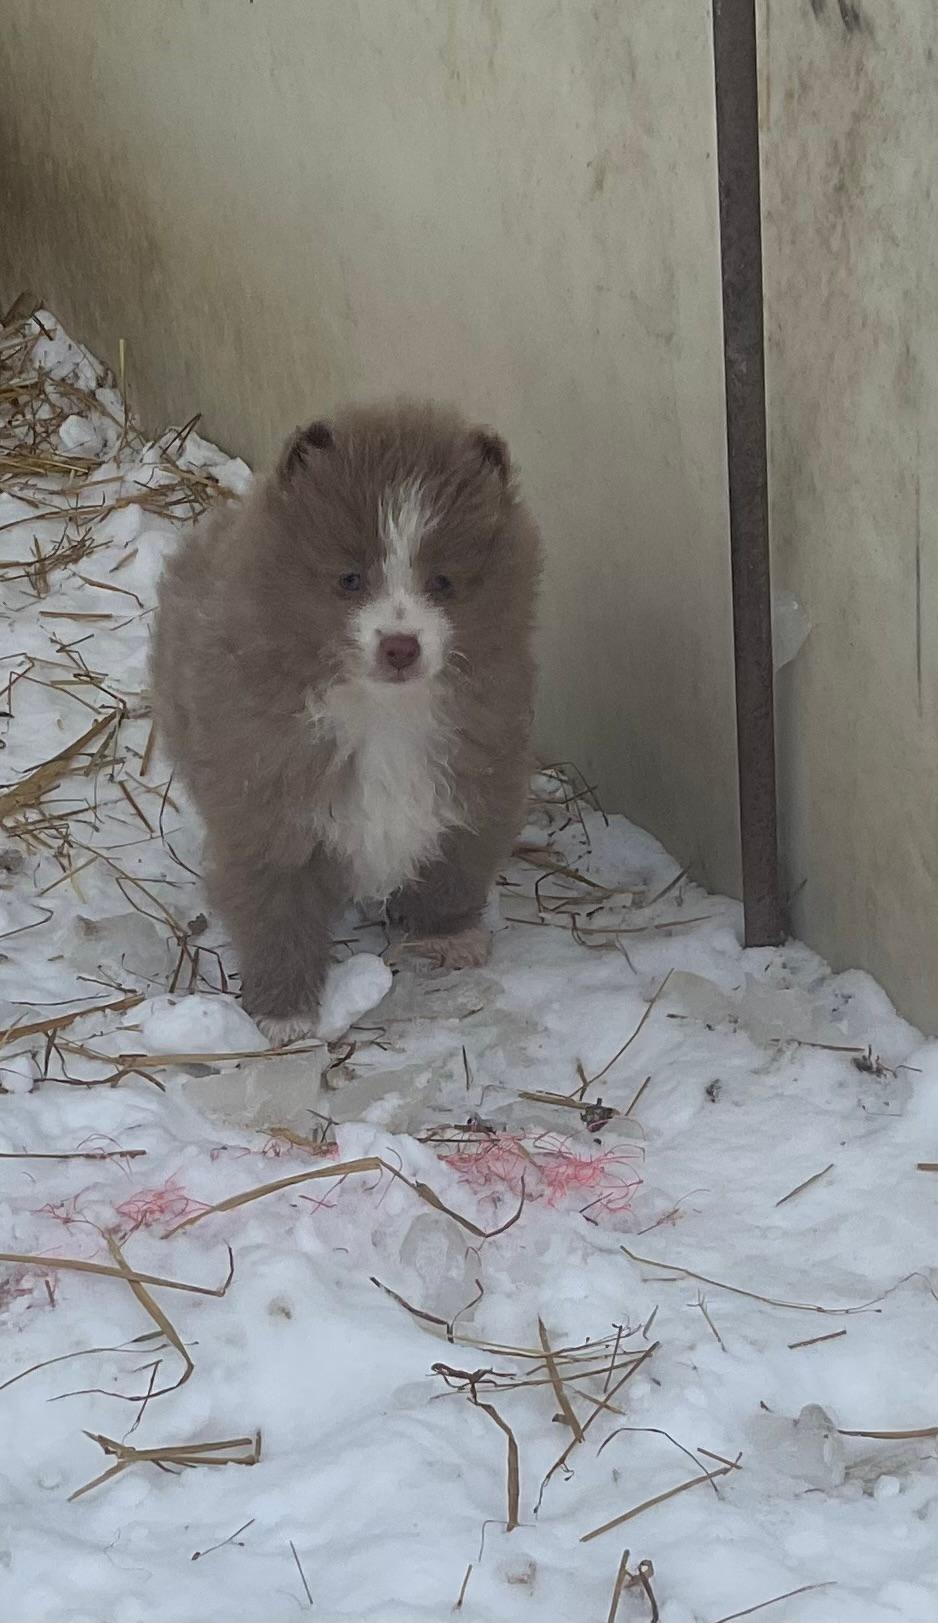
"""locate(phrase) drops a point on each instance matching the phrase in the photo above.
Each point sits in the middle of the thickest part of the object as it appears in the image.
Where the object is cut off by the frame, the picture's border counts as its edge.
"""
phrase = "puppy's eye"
(350, 582)
(441, 584)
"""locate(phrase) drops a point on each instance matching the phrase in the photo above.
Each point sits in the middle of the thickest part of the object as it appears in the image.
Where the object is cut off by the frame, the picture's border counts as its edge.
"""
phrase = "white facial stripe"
(404, 519)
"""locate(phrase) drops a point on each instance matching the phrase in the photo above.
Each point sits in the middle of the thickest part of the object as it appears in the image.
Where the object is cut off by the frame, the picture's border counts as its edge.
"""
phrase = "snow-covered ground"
(716, 1260)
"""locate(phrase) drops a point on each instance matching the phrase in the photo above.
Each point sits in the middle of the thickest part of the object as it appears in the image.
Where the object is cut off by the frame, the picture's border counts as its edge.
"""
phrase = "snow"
(197, 1023)
(751, 1219)
(19, 1073)
(352, 989)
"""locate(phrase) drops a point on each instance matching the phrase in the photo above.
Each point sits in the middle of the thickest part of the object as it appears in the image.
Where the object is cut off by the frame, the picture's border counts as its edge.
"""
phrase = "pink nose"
(400, 652)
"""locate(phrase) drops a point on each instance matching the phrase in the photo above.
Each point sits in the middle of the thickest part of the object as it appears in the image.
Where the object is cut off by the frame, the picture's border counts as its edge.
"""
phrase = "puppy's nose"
(399, 652)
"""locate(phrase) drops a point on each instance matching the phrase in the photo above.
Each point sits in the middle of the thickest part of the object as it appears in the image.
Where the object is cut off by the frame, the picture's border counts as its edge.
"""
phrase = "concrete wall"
(284, 203)
(850, 116)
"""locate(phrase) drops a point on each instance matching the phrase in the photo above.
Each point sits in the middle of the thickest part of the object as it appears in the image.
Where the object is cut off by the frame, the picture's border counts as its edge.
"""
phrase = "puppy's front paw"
(467, 950)
(281, 1030)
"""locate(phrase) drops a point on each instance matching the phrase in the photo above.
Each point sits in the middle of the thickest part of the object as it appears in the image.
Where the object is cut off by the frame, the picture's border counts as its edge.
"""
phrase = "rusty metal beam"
(737, 115)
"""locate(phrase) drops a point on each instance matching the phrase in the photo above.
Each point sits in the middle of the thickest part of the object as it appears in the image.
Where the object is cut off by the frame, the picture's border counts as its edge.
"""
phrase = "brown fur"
(252, 622)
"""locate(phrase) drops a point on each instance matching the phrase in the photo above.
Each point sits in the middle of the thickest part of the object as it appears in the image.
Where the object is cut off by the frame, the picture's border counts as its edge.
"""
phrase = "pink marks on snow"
(141, 1210)
(550, 1168)
(149, 1206)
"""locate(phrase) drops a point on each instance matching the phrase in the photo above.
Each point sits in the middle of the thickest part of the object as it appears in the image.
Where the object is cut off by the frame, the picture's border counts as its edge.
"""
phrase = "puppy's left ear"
(493, 452)
(303, 445)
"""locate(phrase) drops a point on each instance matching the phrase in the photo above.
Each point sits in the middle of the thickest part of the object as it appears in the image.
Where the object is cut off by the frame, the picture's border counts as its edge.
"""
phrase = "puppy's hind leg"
(441, 912)
(280, 919)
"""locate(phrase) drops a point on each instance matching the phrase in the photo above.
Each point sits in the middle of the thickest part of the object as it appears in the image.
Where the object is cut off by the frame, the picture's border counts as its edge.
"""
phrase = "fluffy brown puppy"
(343, 678)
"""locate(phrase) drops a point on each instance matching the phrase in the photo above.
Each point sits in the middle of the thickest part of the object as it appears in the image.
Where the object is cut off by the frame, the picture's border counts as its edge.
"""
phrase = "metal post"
(737, 113)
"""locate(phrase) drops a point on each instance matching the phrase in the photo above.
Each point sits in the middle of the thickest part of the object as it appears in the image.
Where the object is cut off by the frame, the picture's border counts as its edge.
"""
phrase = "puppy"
(343, 678)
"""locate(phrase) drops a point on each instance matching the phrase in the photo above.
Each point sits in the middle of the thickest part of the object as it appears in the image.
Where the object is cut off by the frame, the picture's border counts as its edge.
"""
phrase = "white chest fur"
(390, 798)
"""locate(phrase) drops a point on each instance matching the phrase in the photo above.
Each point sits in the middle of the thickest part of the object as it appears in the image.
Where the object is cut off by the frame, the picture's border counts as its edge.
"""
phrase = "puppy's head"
(394, 528)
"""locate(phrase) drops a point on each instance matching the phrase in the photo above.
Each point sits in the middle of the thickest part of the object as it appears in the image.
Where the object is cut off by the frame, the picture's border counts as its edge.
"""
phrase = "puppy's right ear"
(302, 446)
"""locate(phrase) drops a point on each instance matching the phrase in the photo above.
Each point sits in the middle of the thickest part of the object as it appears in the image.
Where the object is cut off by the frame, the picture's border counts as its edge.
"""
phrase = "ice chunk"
(437, 1252)
(401, 1100)
(417, 997)
(120, 946)
(767, 1013)
(197, 1024)
(264, 1094)
(352, 989)
(783, 1014)
(79, 433)
(697, 997)
(819, 1446)
(807, 1449)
